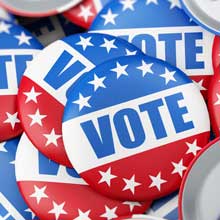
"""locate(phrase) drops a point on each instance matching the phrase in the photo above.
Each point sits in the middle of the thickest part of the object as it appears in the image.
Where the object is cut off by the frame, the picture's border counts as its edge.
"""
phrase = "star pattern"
(174, 3)
(4, 28)
(85, 42)
(193, 148)
(131, 184)
(168, 76)
(83, 215)
(58, 210)
(85, 12)
(36, 118)
(120, 70)
(109, 213)
(108, 44)
(39, 193)
(132, 205)
(200, 85)
(106, 177)
(128, 4)
(98, 82)
(32, 95)
(109, 17)
(157, 181)
(23, 38)
(83, 102)
(2, 147)
(218, 99)
(12, 119)
(151, 1)
(179, 168)
(52, 138)
(146, 68)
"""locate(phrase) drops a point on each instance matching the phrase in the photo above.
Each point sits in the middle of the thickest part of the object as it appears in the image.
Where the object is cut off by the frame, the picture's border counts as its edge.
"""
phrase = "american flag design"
(140, 217)
(42, 91)
(53, 191)
(17, 49)
(84, 13)
(132, 126)
(12, 205)
(172, 36)
(214, 102)
(216, 52)
(50, 29)
(5, 15)
(166, 207)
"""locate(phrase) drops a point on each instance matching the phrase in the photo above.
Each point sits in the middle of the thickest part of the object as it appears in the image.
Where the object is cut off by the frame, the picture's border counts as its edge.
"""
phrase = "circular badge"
(214, 102)
(166, 208)
(84, 13)
(17, 49)
(216, 52)
(53, 191)
(49, 29)
(205, 13)
(39, 8)
(172, 36)
(5, 15)
(132, 125)
(140, 217)
(12, 205)
(200, 187)
(42, 92)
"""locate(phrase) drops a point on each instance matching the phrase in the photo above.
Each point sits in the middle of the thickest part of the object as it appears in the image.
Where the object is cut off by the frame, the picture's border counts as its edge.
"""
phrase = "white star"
(174, 3)
(109, 213)
(85, 42)
(179, 168)
(109, 17)
(152, 1)
(218, 101)
(83, 102)
(32, 95)
(106, 177)
(98, 82)
(130, 53)
(85, 12)
(37, 118)
(168, 76)
(83, 215)
(4, 28)
(200, 85)
(120, 70)
(157, 181)
(146, 68)
(128, 4)
(52, 138)
(130, 184)
(12, 119)
(58, 210)
(23, 39)
(193, 148)
(2, 147)
(39, 193)
(32, 213)
(132, 205)
(108, 45)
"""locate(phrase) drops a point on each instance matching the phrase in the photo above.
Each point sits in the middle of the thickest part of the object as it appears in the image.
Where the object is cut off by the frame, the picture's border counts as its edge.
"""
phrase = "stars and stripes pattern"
(41, 111)
(216, 52)
(12, 205)
(214, 102)
(15, 41)
(56, 192)
(84, 13)
(122, 18)
(126, 174)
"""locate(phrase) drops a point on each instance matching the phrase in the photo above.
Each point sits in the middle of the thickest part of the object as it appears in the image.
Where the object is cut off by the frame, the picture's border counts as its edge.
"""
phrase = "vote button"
(132, 125)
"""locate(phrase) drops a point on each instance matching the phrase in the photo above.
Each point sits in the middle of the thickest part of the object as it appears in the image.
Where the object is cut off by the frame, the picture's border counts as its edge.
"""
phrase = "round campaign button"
(132, 125)
(42, 91)
(53, 191)
(5, 15)
(161, 29)
(205, 13)
(39, 8)
(214, 102)
(17, 49)
(49, 29)
(200, 187)
(216, 52)
(140, 217)
(12, 205)
(84, 13)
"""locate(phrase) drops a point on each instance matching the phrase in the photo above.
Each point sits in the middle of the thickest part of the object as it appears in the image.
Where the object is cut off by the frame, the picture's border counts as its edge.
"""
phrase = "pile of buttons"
(110, 110)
